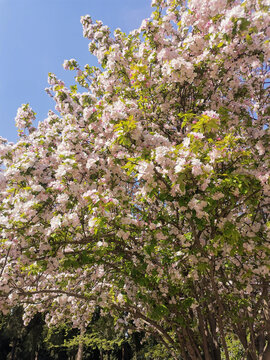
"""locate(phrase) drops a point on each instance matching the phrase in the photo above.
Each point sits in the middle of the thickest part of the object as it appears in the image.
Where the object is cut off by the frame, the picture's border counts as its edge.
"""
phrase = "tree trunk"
(213, 338)
(266, 353)
(14, 343)
(79, 355)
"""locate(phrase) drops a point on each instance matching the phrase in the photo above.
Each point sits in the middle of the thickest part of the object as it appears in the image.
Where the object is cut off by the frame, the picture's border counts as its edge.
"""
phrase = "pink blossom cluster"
(25, 116)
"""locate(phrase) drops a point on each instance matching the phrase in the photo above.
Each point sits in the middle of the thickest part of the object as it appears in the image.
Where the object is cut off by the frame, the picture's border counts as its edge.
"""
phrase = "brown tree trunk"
(13, 351)
(203, 331)
(212, 336)
(79, 355)
(266, 353)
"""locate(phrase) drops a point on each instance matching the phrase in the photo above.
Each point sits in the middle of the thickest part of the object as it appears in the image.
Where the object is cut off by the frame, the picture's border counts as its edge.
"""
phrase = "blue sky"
(36, 36)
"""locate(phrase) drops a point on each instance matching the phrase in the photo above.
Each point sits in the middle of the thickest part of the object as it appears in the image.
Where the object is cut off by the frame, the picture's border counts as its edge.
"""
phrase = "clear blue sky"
(36, 36)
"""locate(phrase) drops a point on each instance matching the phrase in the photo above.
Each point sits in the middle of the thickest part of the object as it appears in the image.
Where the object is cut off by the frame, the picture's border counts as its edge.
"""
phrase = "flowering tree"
(148, 192)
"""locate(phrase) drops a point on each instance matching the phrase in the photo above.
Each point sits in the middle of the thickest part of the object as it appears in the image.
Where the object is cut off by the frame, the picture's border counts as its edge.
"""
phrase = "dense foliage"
(100, 340)
(148, 193)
